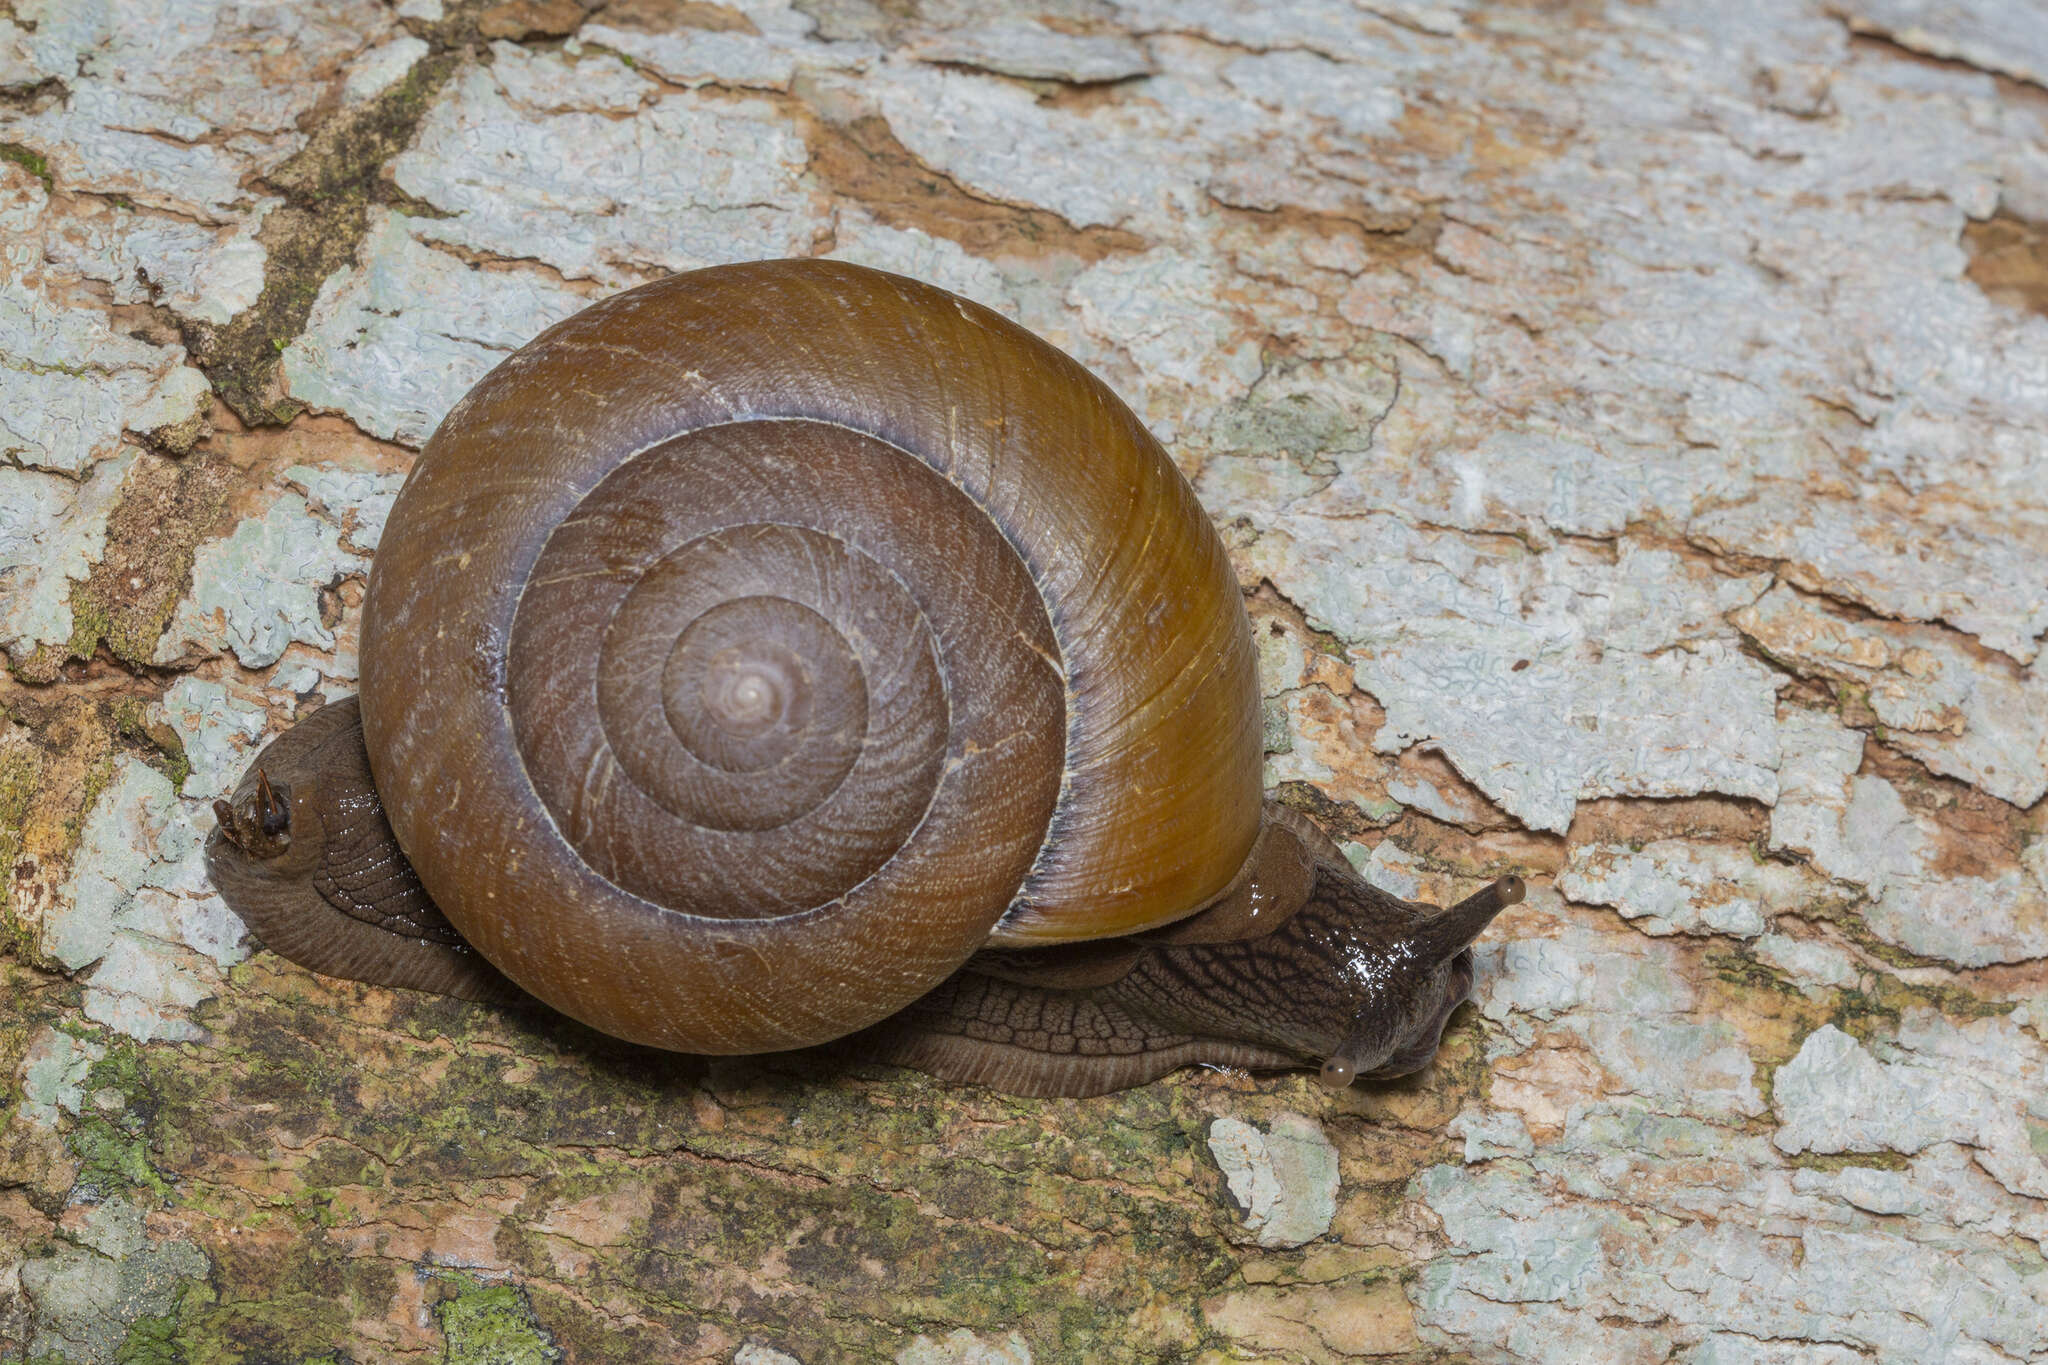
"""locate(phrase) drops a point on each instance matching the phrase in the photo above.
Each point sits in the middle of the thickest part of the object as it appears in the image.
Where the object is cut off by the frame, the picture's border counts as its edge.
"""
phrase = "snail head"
(1407, 983)
(304, 855)
(270, 833)
(1356, 982)
(259, 820)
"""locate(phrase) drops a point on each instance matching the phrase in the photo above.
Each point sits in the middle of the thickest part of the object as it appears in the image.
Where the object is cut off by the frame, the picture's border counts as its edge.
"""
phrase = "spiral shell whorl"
(723, 607)
(709, 558)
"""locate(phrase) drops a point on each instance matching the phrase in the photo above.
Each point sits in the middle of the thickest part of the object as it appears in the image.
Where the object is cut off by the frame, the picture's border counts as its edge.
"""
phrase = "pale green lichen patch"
(962, 1347)
(136, 836)
(1279, 439)
(30, 160)
(493, 1325)
(215, 732)
(259, 589)
(95, 842)
(328, 188)
(53, 1074)
(1285, 1178)
(110, 1131)
(133, 916)
(71, 382)
(108, 1275)
(363, 351)
(488, 155)
(357, 501)
(20, 767)
(53, 531)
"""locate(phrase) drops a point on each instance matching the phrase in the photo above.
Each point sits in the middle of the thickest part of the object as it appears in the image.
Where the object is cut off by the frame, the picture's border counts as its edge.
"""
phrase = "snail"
(789, 650)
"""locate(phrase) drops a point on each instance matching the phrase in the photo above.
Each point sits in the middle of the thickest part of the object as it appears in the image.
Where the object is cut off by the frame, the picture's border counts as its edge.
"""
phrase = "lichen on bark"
(1625, 422)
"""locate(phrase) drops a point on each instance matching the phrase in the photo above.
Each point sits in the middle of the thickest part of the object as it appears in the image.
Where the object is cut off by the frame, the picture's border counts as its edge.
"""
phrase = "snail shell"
(752, 649)
(834, 621)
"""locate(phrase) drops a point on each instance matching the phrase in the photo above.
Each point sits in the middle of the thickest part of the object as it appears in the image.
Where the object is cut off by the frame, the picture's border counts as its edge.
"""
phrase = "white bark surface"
(1634, 419)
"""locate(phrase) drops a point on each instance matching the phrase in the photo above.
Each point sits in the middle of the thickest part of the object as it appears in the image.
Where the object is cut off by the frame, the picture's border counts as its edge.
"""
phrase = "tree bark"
(1627, 423)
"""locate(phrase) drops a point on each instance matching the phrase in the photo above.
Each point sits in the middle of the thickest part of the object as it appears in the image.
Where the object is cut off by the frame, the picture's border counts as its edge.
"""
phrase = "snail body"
(789, 650)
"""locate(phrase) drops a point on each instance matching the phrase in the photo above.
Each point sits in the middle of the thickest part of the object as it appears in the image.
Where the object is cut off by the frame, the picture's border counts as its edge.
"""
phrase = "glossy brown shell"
(916, 513)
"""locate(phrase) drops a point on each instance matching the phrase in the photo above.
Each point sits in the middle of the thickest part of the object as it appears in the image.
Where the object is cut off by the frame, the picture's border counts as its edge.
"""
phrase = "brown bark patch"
(128, 599)
(666, 16)
(1530, 853)
(862, 161)
(1461, 803)
(1544, 1083)
(1978, 834)
(2009, 261)
(1638, 820)
(531, 19)
(62, 772)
